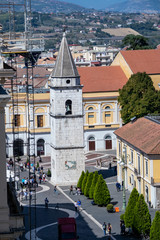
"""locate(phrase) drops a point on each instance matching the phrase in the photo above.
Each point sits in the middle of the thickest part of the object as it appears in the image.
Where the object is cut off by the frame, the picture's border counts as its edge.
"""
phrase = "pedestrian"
(104, 228)
(76, 206)
(122, 185)
(26, 194)
(40, 178)
(109, 228)
(46, 201)
(57, 206)
(30, 195)
(55, 189)
(44, 177)
(71, 190)
(79, 204)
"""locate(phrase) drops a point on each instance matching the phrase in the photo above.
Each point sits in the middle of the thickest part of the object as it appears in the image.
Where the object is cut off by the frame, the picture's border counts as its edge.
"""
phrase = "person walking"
(46, 201)
(71, 190)
(104, 226)
(79, 204)
(109, 228)
(76, 206)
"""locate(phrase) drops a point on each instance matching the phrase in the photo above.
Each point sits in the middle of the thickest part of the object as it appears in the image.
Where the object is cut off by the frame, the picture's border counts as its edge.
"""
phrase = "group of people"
(77, 205)
(107, 227)
(77, 192)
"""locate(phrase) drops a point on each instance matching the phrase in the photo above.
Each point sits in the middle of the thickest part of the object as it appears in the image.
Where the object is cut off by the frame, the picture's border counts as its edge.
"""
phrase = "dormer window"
(68, 107)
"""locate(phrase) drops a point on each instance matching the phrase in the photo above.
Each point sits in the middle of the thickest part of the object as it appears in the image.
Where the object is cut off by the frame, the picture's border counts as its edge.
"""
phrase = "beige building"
(138, 154)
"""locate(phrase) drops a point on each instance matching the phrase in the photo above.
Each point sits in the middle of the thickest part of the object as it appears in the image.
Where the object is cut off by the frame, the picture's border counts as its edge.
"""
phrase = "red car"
(67, 229)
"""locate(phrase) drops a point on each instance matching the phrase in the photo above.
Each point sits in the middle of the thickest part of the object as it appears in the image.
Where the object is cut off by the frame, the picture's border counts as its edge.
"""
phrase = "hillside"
(49, 6)
(148, 6)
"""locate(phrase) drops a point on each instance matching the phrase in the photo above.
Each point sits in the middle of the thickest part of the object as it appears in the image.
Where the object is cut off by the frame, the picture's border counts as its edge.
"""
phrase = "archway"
(18, 148)
(91, 141)
(108, 142)
(40, 147)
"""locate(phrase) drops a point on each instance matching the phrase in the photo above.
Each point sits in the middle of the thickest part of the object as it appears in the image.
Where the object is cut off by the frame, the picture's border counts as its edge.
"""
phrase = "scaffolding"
(30, 48)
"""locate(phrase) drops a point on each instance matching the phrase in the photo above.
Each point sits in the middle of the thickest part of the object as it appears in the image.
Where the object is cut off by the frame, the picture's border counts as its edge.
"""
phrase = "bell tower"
(66, 113)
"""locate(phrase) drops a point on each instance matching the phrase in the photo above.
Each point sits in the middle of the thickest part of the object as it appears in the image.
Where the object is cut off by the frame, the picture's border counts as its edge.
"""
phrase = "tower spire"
(65, 65)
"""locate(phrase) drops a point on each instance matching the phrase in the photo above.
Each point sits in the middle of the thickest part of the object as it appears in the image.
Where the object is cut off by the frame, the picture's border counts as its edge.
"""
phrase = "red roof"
(143, 133)
(102, 79)
(143, 60)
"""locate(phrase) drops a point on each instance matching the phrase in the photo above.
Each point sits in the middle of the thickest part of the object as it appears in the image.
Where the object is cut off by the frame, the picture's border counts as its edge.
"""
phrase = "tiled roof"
(143, 134)
(102, 79)
(143, 60)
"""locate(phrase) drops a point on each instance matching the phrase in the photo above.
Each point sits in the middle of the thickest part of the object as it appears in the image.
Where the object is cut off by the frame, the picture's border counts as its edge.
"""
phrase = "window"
(68, 81)
(90, 108)
(17, 120)
(147, 167)
(90, 116)
(107, 115)
(108, 107)
(125, 153)
(40, 121)
(68, 106)
(119, 149)
(132, 156)
(139, 166)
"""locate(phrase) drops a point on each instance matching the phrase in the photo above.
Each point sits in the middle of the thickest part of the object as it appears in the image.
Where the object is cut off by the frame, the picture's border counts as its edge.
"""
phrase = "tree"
(84, 181)
(129, 213)
(88, 184)
(101, 193)
(79, 184)
(142, 218)
(135, 42)
(138, 97)
(155, 228)
(94, 181)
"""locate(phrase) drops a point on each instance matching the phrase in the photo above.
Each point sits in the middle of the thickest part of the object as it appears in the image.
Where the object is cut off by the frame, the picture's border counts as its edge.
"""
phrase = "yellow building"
(133, 61)
(138, 154)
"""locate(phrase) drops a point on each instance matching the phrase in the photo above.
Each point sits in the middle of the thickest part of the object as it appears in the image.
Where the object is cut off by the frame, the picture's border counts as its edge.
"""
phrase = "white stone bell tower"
(66, 112)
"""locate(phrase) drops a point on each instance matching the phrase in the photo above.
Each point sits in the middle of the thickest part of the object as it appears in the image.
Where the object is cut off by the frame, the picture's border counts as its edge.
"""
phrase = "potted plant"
(110, 208)
(49, 173)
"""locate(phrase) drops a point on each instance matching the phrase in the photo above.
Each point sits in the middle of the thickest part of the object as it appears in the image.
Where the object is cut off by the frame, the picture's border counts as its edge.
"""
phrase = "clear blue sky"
(97, 4)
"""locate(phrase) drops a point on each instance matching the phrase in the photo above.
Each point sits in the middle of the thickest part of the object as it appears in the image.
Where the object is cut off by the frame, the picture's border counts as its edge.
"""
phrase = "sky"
(96, 4)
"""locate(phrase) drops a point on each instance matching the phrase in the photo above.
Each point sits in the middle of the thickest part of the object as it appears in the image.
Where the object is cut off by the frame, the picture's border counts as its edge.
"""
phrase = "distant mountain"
(48, 6)
(133, 6)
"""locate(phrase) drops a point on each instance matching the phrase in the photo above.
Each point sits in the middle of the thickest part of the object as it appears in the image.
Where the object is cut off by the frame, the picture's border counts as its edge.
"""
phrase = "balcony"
(155, 181)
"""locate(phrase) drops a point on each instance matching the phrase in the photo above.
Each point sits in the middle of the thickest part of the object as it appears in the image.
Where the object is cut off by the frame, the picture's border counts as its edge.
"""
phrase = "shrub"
(101, 193)
(129, 213)
(155, 228)
(37, 164)
(79, 184)
(88, 184)
(142, 218)
(49, 173)
(84, 181)
(94, 181)
(110, 207)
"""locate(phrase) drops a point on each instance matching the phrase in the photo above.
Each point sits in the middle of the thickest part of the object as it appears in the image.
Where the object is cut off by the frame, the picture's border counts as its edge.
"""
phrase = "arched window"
(108, 142)
(68, 106)
(107, 107)
(91, 141)
(40, 147)
(18, 148)
(90, 108)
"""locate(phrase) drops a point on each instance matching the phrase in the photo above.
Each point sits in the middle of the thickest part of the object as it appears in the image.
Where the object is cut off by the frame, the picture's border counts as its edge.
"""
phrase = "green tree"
(142, 218)
(84, 181)
(101, 193)
(135, 42)
(129, 213)
(88, 184)
(94, 181)
(155, 228)
(79, 184)
(138, 97)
